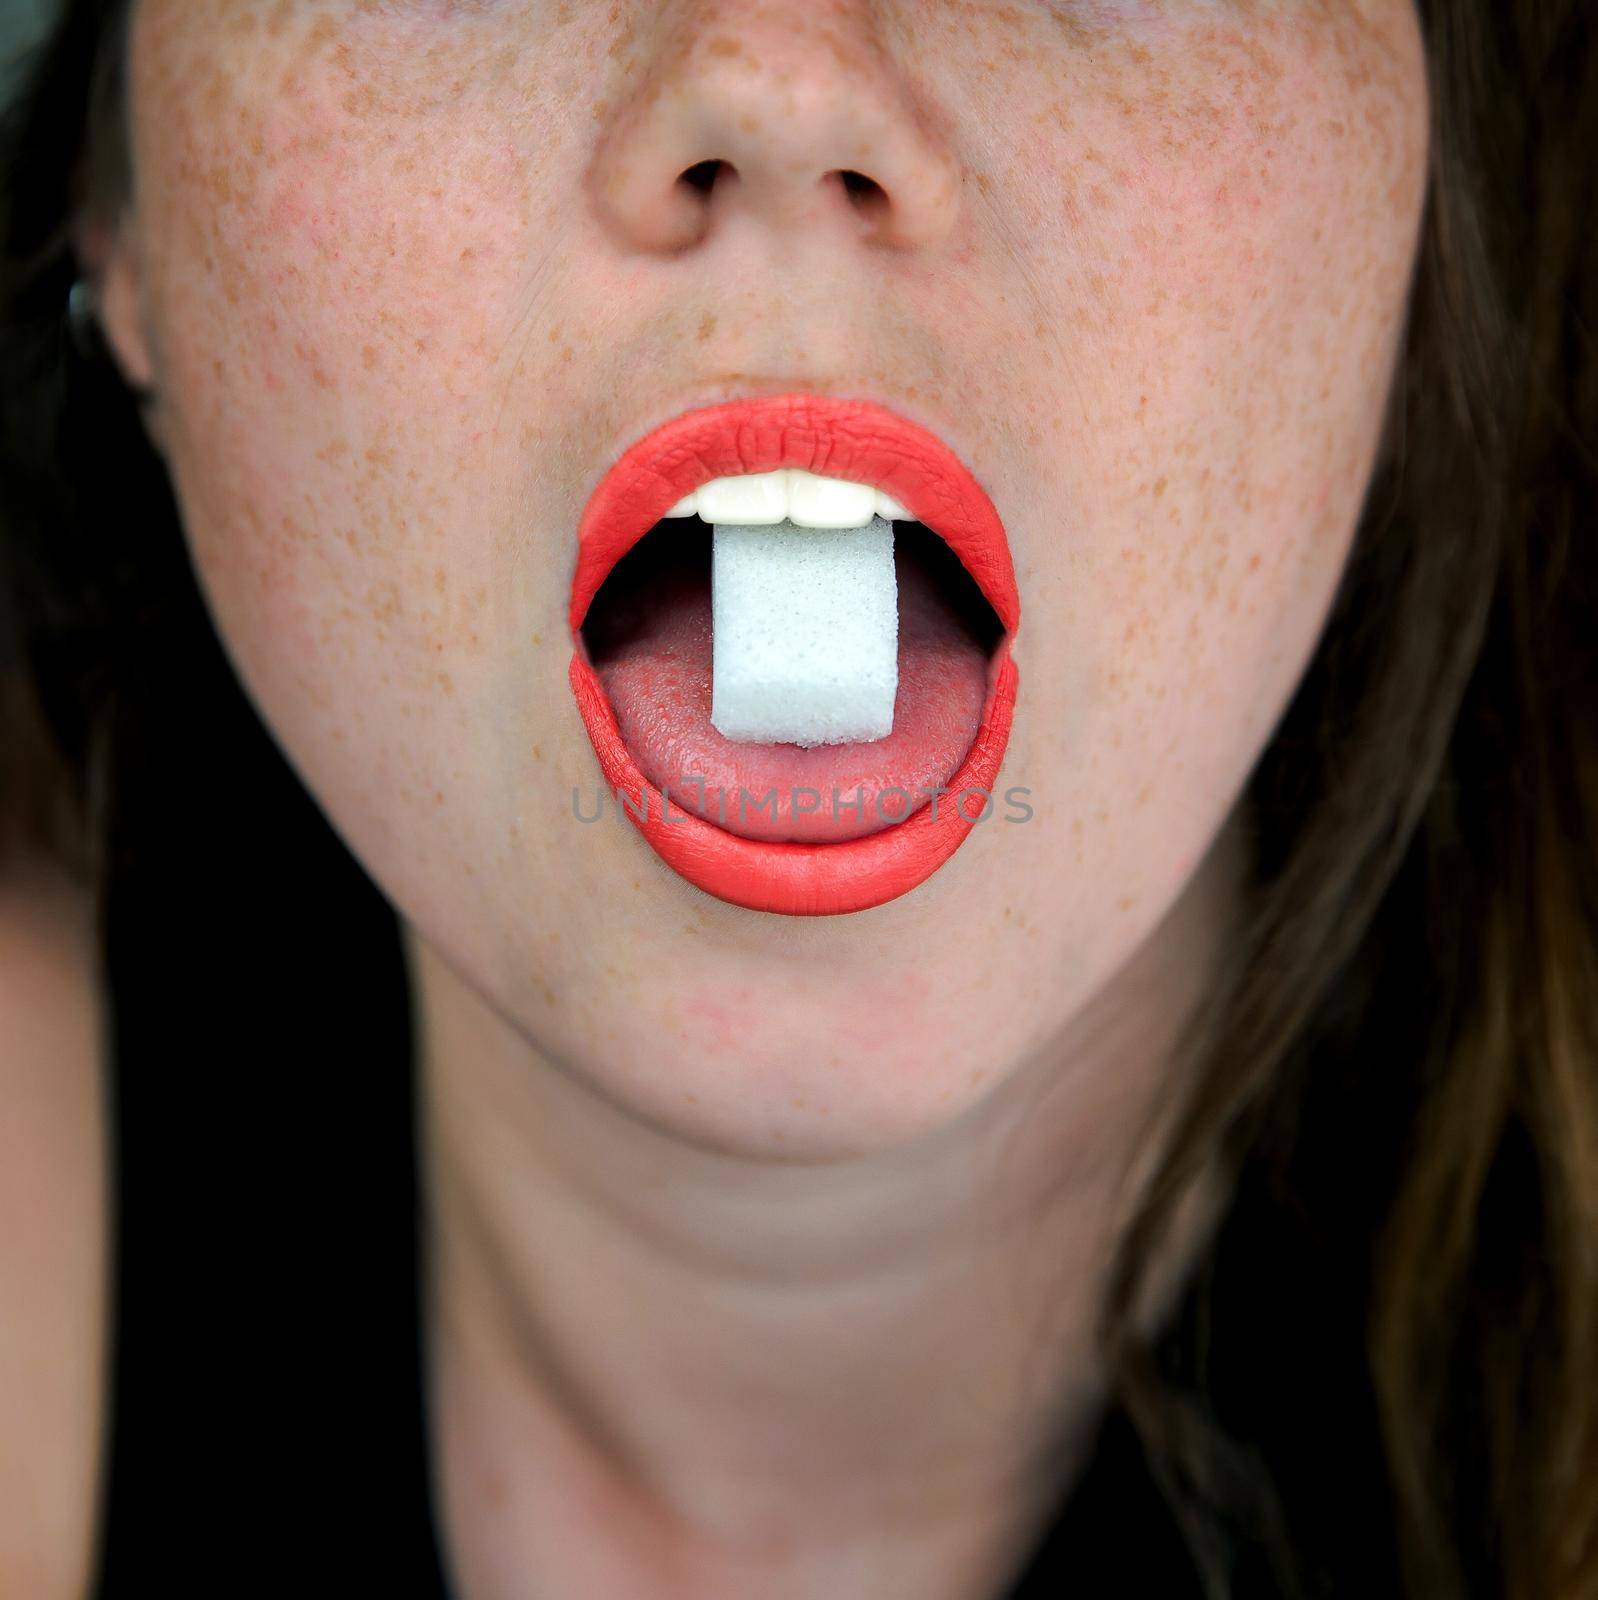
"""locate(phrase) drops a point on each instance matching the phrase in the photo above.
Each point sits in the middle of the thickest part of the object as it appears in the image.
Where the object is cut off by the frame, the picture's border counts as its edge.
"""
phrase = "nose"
(793, 110)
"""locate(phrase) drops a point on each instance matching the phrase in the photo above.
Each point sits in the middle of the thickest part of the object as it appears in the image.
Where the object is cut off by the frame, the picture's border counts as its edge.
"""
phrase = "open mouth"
(650, 637)
(762, 785)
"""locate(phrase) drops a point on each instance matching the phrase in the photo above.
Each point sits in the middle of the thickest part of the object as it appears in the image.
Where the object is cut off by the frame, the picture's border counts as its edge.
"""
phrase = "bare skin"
(669, 1371)
(764, 1252)
(53, 1232)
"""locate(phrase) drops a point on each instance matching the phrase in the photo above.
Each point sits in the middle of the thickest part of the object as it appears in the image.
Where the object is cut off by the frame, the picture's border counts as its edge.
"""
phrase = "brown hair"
(1399, 1072)
(1409, 1029)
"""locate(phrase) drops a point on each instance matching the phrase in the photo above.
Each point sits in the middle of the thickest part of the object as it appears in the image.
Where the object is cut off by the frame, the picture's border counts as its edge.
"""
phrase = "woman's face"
(411, 275)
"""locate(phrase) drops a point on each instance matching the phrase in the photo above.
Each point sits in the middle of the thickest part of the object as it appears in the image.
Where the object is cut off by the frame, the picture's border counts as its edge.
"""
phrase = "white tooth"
(753, 499)
(808, 499)
(817, 502)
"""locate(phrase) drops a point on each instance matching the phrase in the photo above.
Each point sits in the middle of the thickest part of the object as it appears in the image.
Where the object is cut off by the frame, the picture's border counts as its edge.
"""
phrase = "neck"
(663, 1369)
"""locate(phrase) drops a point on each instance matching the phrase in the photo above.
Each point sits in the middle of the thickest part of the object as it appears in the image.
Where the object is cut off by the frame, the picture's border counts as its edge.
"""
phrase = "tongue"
(656, 672)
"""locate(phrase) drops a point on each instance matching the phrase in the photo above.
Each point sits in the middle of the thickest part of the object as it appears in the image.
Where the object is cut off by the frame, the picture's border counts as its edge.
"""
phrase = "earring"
(83, 313)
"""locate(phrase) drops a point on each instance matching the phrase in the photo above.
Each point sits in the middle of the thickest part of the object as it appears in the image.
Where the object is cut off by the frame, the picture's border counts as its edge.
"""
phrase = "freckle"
(707, 325)
(321, 35)
(1159, 487)
(360, 102)
(438, 579)
(369, 356)
(538, 755)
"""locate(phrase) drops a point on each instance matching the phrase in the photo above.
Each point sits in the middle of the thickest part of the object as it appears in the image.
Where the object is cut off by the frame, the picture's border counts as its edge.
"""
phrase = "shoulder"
(53, 1231)
(49, 979)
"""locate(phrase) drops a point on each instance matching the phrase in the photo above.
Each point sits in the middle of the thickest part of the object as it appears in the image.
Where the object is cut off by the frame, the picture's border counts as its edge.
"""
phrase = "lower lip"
(849, 439)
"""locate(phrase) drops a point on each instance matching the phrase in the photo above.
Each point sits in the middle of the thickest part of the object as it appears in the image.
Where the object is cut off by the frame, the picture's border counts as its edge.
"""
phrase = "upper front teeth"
(789, 494)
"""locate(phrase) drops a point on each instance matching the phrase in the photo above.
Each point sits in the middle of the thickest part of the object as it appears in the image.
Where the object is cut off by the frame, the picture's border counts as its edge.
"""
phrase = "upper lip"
(857, 439)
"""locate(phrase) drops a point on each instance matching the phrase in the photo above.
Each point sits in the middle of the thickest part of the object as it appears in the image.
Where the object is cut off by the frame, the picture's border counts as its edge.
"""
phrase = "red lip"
(865, 443)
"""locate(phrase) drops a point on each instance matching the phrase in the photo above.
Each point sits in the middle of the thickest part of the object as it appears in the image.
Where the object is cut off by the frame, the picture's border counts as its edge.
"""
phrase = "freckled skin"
(411, 274)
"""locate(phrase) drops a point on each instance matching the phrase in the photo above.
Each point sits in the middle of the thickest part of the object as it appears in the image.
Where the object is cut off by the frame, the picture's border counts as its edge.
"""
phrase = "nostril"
(865, 194)
(702, 175)
(696, 185)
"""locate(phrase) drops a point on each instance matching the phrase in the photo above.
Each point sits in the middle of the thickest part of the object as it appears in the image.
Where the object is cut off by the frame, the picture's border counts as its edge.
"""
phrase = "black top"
(268, 1430)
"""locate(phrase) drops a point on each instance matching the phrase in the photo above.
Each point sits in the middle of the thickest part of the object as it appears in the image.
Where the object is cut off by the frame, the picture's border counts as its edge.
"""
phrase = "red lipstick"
(855, 440)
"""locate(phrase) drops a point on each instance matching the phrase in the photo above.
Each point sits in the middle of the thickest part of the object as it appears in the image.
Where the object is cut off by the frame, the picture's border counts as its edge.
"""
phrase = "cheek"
(326, 292)
(1267, 278)
(1232, 256)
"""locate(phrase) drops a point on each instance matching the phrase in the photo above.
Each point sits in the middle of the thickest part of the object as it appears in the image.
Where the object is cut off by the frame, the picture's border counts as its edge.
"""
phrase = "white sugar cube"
(805, 633)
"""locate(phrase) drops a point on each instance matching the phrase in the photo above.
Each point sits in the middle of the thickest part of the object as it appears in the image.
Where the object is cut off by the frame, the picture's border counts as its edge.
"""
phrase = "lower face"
(400, 347)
